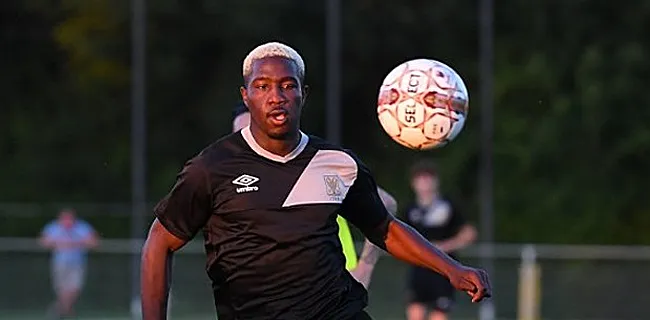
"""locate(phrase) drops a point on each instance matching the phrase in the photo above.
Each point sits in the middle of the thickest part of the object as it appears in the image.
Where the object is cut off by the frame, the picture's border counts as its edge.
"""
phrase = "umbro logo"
(246, 181)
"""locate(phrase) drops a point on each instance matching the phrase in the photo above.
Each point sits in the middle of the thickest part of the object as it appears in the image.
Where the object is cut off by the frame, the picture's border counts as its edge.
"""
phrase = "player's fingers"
(466, 285)
(480, 291)
(478, 295)
(486, 283)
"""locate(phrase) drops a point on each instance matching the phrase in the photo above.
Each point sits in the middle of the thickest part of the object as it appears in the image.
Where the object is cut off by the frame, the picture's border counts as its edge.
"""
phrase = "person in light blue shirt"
(69, 238)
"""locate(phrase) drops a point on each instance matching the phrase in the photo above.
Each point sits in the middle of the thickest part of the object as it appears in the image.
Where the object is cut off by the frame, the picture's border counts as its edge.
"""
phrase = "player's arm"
(179, 216)
(465, 233)
(156, 267)
(366, 263)
(465, 236)
(91, 239)
(364, 209)
(46, 239)
(47, 242)
(371, 253)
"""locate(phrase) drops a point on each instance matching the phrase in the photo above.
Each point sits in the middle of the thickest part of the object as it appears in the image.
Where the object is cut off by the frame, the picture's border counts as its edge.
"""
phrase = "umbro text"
(247, 189)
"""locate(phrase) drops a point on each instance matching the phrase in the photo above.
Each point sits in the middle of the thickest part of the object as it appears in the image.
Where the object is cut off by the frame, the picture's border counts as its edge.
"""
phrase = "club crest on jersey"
(333, 187)
(246, 181)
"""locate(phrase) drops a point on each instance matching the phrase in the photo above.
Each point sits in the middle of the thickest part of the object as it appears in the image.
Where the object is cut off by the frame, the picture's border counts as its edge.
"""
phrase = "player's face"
(274, 95)
(424, 184)
(66, 219)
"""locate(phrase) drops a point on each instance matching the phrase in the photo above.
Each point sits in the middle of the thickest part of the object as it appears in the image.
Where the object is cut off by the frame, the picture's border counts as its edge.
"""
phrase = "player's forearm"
(155, 280)
(91, 242)
(370, 253)
(47, 243)
(452, 245)
(362, 273)
(87, 243)
(462, 239)
(369, 256)
(406, 244)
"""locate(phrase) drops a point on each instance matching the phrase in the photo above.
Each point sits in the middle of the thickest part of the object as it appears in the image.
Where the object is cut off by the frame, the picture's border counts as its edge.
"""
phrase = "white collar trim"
(250, 140)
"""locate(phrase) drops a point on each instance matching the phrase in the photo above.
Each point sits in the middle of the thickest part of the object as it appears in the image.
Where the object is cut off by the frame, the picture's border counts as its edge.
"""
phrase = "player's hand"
(475, 282)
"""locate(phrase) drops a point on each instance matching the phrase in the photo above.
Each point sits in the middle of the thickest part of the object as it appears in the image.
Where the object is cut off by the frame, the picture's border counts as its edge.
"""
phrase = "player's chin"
(284, 130)
(281, 132)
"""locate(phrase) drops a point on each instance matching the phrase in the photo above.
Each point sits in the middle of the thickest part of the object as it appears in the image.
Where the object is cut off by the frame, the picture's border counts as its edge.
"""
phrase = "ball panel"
(410, 113)
(389, 123)
(457, 127)
(437, 127)
(413, 82)
(413, 137)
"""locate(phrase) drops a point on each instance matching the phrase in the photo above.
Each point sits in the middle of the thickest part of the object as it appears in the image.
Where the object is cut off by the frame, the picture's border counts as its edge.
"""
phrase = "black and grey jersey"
(269, 225)
(438, 222)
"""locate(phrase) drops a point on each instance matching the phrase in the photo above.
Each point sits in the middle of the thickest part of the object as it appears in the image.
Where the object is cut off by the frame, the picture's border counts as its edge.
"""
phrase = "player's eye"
(290, 86)
(262, 86)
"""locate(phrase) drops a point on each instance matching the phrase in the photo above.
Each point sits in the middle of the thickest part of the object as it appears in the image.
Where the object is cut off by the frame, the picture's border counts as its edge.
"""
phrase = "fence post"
(170, 303)
(529, 285)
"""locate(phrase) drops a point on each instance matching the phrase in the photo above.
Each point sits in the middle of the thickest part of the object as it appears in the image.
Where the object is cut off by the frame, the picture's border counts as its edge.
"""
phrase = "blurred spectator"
(240, 117)
(442, 224)
(69, 238)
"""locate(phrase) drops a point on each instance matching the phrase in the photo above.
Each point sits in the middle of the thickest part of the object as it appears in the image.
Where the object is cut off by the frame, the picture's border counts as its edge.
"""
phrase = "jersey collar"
(248, 137)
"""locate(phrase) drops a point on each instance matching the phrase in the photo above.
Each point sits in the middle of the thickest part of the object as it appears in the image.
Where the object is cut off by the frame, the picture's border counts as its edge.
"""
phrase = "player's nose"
(277, 95)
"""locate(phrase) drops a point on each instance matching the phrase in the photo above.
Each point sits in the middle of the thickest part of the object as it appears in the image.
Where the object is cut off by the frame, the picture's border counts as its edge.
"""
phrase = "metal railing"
(531, 282)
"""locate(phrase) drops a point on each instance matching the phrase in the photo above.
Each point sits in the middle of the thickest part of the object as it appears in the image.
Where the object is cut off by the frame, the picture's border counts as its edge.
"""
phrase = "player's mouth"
(278, 117)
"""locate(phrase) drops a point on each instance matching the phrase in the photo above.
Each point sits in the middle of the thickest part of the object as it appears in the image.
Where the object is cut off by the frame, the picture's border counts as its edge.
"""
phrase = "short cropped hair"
(424, 167)
(273, 49)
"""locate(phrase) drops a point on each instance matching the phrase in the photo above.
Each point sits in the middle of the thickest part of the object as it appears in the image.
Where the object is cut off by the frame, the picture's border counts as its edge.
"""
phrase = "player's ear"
(244, 95)
(305, 92)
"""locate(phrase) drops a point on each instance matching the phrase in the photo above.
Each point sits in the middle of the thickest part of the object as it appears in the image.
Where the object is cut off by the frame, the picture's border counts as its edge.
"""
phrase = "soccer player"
(442, 224)
(266, 199)
(69, 238)
(361, 269)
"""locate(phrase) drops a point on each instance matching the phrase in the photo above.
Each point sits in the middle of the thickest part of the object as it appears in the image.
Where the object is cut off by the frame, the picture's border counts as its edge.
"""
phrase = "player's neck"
(426, 200)
(280, 147)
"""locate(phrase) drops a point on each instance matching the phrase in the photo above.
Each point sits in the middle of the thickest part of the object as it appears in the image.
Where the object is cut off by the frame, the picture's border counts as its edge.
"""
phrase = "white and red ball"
(423, 104)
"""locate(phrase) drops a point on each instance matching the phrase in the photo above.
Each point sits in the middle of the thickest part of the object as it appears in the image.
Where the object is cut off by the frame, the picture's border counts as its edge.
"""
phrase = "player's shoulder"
(220, 150)
(454, 205)
(321, 144)
(51, 227)
(83, 225)
(447, 201)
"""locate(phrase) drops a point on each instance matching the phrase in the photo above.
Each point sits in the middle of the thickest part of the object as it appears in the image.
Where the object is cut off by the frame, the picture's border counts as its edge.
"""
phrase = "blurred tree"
(571, 140)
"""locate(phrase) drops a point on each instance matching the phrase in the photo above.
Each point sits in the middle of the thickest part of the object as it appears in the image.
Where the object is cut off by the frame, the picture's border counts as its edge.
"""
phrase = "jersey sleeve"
(362, 205)
(389, 201)
(347, 243)
(49, 230)
(85, 229)
(187, 207)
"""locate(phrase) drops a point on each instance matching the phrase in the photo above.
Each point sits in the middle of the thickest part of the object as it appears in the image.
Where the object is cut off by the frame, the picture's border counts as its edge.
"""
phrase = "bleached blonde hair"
(273, 49)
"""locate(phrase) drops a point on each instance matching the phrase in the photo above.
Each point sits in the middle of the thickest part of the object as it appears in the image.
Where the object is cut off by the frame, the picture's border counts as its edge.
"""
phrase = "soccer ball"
(422, 104)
